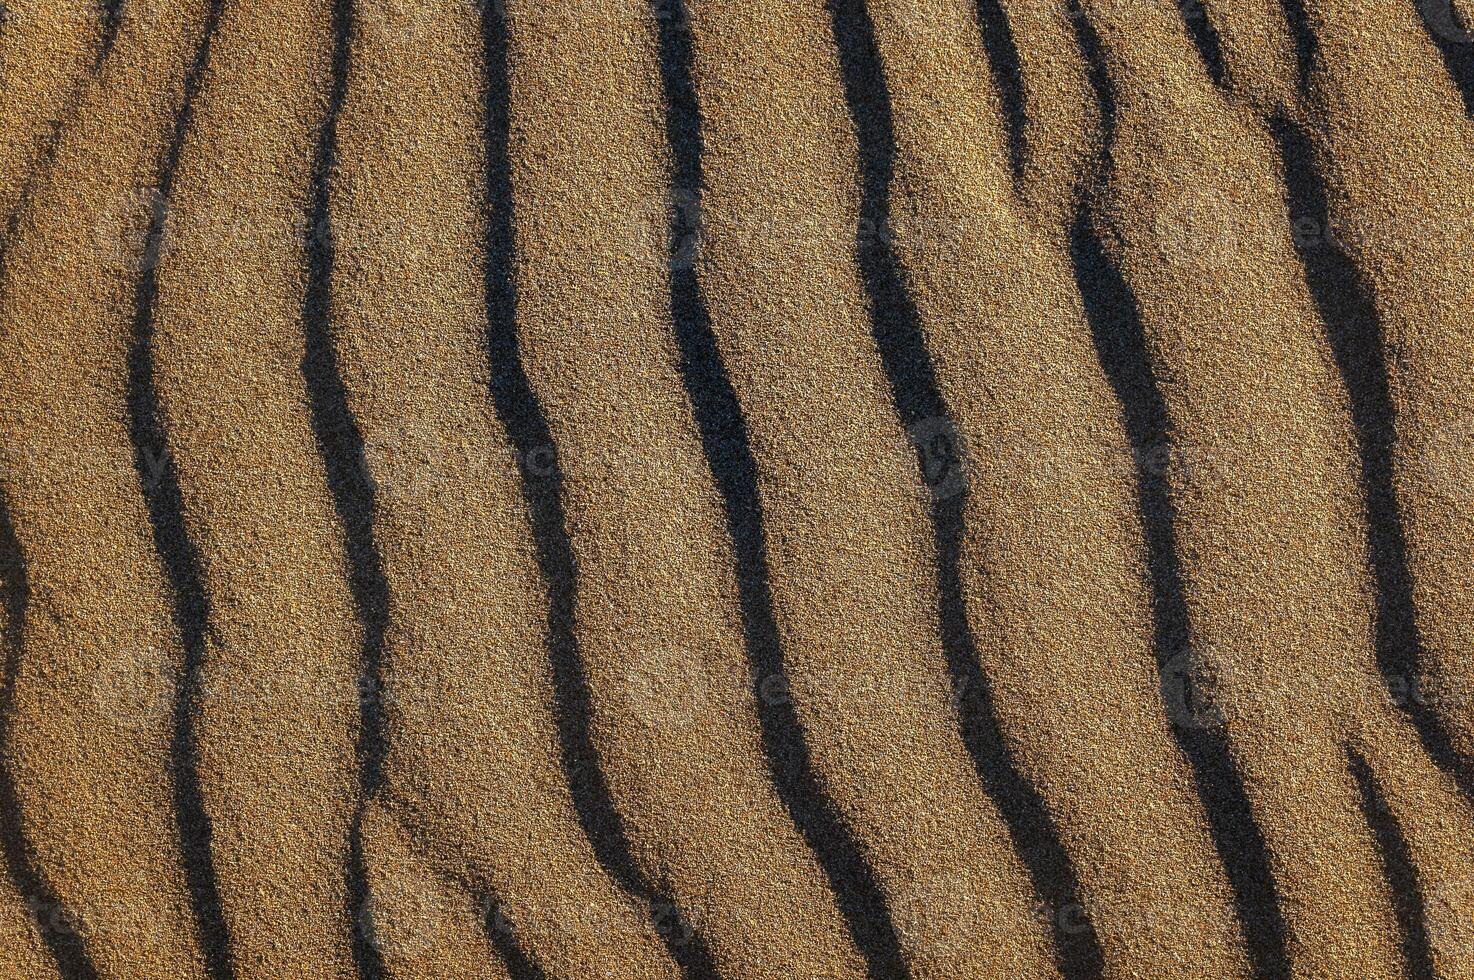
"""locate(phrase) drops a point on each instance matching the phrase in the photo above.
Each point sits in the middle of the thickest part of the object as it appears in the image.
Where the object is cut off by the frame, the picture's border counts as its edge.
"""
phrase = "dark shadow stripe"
(55, 923)
(43, 166)
(521, 414)
(34, 178)
(1008, 78)
(340, 443)
(503, 938)
(177, 553)
(1454, 39)
(918, 401)
(1096, 74)
(1205, 38)
(1344, 301)
(729, 456)
(57, 926)
(1399, 869)
(501, 933)
(1307, 48)
(1448, 31)
(111, 13)
(1121, 346)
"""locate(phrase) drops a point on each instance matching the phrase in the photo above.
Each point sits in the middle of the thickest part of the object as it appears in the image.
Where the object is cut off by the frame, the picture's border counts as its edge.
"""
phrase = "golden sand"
(684, 488)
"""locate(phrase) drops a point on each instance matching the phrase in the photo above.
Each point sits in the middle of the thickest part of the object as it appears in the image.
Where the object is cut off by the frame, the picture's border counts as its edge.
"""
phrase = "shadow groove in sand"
(908, 368)
(177, 553)
(1121, 347)
(521, 415)
(1454, 40)
(1008, 79)
(520, 966)
(1307, 49)
(1354, 333)
(111, 12)
(340, 442)
(1398, 866)
(1236, 837)
(41, 169)
(53, 920)
(728, 453)
(1205, 38)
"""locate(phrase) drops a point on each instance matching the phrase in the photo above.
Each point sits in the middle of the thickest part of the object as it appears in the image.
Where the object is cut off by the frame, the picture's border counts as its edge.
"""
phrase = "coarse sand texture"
(763, 490)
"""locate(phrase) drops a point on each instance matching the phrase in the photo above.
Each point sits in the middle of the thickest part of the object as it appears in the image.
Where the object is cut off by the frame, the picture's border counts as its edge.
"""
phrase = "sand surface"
(953, 489)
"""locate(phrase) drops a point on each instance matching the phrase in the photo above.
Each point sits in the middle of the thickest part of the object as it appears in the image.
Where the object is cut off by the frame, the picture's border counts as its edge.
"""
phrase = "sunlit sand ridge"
(860, 488)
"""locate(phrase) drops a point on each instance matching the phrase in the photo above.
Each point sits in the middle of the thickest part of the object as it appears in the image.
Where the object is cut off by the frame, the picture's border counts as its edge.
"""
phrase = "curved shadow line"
(521, 415)
(1454, 40)
(1344, 300)
(501, 933)
(111, 12)
(1121, 347)
(1307, 48)
(520, 965)
(729, 457)
(340, 444)
(907, 364)
(1400, 871)
(57, 929)
(53, 921)
(177, 553)
(1205, 38)
(1008, 78)
(38, 173)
